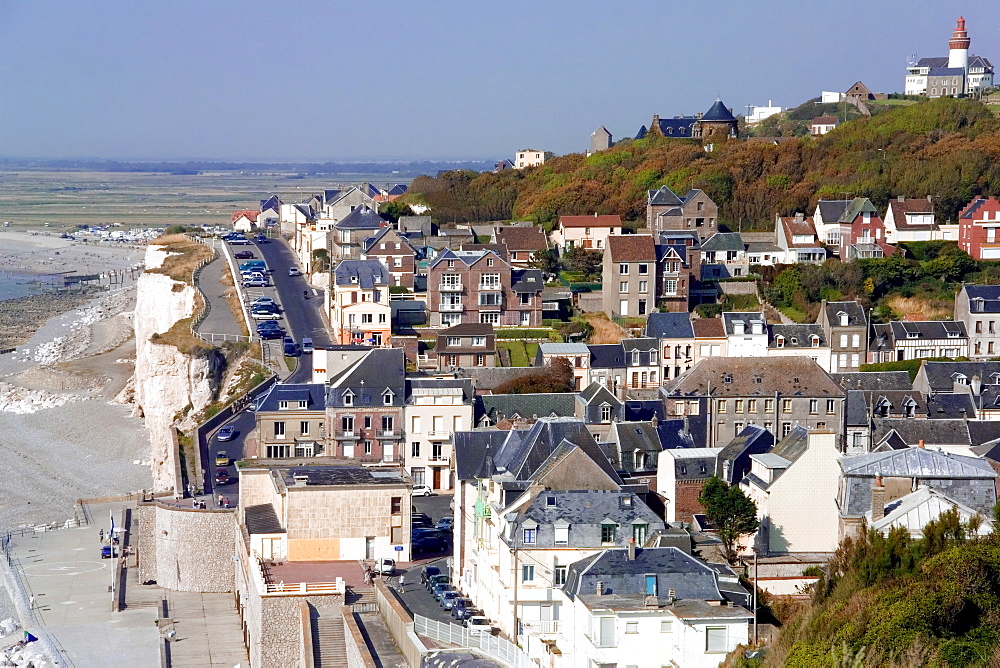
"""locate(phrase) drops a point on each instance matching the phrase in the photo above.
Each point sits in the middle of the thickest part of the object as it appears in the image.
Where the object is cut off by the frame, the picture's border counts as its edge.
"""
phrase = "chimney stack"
(900, 198)
(671, 597)
(600, 588)
(631, 549)
(920, 443)
(878, 499)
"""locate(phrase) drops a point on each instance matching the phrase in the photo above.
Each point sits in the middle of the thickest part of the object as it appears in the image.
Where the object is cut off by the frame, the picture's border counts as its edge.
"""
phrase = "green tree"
(547, 260)
(393, 210)
(730, 510)
(587, 262)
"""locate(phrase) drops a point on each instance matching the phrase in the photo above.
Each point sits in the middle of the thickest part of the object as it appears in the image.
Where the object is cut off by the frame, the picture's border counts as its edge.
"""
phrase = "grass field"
(65, 199)
(521, 353)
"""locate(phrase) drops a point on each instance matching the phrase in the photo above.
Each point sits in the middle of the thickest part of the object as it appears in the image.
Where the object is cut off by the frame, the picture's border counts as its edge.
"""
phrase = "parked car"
(263, 301)
(428, 532)
(261, 239)
(428, 572)
(432, 580)
(243, 255)
(239, 241)
(221, 476)
(265, 314)
(385, 566)
(307, 345)
(422, 490)
(461, 604)
(445, 523)
(420, 521)
(448, 599)
(289, 347)
(429, 544)
(221, 458)
(466, 613)
(439, 590)
(107, 552)
(479, 626)
(255, 283)
(269, 326)
(294, 271)
(227, 433)
(268, 334)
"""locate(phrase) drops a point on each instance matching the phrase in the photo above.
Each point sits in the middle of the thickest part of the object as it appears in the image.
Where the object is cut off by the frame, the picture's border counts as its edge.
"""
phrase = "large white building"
(958, 73)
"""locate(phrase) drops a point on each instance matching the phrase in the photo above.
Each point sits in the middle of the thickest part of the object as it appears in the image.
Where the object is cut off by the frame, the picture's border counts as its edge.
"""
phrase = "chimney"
(631, 549)
(595, 214)
(900, 198)
(671, 597)
(920, 444)
(799, 217)
(655, 421)
(977, 385)
(878, 498)
(600, 588)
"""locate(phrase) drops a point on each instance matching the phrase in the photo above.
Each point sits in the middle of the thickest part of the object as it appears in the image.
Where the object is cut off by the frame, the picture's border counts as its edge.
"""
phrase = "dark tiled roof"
(931, 432)
(368, 379)
(521, 457)
(663, 197)
(951, 406)
(718, 112)
(343, 475)
(472, 448)
(595, 392)
(644, 410)
(362, 218)
(511, 406)
(526, 280)
(832, 209)
(522, 238)
(366, 274)
(678, 126)
(723, 241)
(312, 393)
(464, 384)
(607, 356)
(941, 375)
(753, 440)
(584, 511)
(262, 519)
(468, 329)
(855, 208)
(873, 380)
(669, 326)
(687, 576)
(796, 336)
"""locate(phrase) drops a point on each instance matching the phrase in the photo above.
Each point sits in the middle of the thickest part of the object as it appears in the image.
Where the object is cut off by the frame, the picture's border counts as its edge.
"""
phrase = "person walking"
(102, 535)
(402, 583)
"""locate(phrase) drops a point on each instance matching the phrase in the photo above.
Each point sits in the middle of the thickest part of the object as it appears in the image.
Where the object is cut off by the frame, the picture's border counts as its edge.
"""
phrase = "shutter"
(607, 631)
(715, 639)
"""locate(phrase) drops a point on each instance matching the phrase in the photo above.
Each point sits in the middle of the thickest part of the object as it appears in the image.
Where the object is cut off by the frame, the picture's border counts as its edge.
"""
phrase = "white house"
(435, 409)
(757, 114)
(746, 334)
(528, 157)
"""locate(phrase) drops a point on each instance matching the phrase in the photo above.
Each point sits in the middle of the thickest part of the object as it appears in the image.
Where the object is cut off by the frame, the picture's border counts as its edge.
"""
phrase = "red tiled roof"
(708, 328)
(631, 248)
(591, 221)
(825, 120)
(249, 215)
(522, 238)
(802, 227)
(900, 209)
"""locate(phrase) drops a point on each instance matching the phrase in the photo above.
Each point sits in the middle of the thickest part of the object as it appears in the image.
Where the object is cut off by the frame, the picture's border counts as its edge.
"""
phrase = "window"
(489, 281)
(279, 429)
(722, 405)
(559, 575)
(489, 262)
(855, 360)
(368, 447)
(415, 449)
(527, 572)
(639, 533)
(478, 341)
(623, 286)
(785, 428)
(855, 340)
(561, 535)
(751, 406)
(278, 451)
(605, 413)
(666, 626)
(831, 406)
(524, 299)
(304, 428)
(480, 360)
(813, 406)
(282, 405)
(631, 627)
(366, 318)
(643, 286)
(715, 639)
(769, 405)
(786, 405)
(486, 299)
(529, 537)
(387, 399)
(348, 398)
(387, 424)
(623, 269)
(843, 340)
(489, 318)
(670, 286)
(779, 341)
(738, 408)
(454, 341)
(608, 532)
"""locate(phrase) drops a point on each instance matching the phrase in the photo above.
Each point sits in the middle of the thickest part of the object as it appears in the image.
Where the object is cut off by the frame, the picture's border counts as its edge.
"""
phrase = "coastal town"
(368, 424)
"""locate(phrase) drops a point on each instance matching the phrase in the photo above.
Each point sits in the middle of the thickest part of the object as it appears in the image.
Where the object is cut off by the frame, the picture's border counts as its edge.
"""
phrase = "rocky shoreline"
(21, 317)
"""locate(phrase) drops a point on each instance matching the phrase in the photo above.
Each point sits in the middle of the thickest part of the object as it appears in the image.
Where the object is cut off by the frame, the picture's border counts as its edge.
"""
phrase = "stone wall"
(184, 549)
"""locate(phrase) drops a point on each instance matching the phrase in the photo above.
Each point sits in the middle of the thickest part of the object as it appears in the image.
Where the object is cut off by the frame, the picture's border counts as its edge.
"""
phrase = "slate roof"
(366, 274)
(860, 404)
(471, 449)
(640, 410)
(708, 328)
(263, 519)
(946, 72)
(469, 329)
(596, 392)
(343, 475)
(983, 298)
(873, 380)
(368, 245)
(641, 343)
(983, 431)
(527, 281)
(526, 406)
(723, 241)
(487, 377)
(591, 221)
(368, 378)
(463, 384)
(584, 507)
(420, 224)
(362, 218)
(689, 577)
(796, 336)
(631, 248)
(931, 432)
(915, 463)
(691, 463)
(941, 375)
(950, 406)
(607, 356)
(632, 436)
(718, 112)
(398, 189)
(669, 326)
(678, 126)
(520, 457)
(832, 209)
(271, 202)
(729, 317)
(663, 197)
(522, 238)
(753, 440)
(314, 394)
(563, 349)
(928, 329)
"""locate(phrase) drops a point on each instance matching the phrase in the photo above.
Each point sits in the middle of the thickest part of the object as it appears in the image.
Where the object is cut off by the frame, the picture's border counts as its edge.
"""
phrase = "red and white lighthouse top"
(959, 38)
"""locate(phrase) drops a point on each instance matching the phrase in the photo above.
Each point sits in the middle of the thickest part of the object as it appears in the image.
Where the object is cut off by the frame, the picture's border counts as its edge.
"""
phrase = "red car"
(244, 255)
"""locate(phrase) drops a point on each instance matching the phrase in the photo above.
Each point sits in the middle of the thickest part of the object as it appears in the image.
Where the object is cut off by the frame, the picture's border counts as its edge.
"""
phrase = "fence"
(497, 648)
(200, 318)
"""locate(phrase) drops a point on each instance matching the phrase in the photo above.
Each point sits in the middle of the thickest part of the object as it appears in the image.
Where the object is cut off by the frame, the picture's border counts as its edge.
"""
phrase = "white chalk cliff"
(166, 380)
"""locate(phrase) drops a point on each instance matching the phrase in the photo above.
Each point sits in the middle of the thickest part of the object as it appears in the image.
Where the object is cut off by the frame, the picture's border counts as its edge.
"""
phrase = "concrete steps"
(329, 646)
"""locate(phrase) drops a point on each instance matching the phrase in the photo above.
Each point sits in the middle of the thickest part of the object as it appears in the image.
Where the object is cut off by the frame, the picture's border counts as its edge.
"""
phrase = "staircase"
(329, 647)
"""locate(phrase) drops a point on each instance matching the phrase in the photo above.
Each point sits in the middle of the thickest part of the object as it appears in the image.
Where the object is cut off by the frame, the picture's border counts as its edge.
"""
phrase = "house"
(859, 92)
(600, 409)
(290, 422)
(915, 510)
(845, 328)
(826, 220)
(759, 113)
(897, 341)
(694, 212)
(522, 242)
(649, 607)
(364, 407)
(746, 334)
(642, 363)
(607, 365)
(710, 339)
(803, 465)
(348, 235)
(733, 461)
(799, 341)
(718, 123)
(978, 223)
(420, 225)
(864, 406)
(358, 303)
(871, 482)
(520, 411)
(862, 232)
(600, 140)
(823, 124)
(776, 392)
(675, 335)
(395, 251)
(678, 259)
(470, 344)
(910, 220)
(578, 355)
(245, 221)
(435, 409)
(479, 287)
(979, 380)
(680, 475)
(633, 447)
(629, 275)
(978, 308)
(270, 212)
(723, 255)
(529, 157)
(954, 74)
(797, 238)
(588, 232)
(504, 164)
(335, 205)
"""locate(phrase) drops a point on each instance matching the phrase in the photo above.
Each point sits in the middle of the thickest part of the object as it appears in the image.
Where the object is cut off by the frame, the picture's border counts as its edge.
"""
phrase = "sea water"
(22, 284)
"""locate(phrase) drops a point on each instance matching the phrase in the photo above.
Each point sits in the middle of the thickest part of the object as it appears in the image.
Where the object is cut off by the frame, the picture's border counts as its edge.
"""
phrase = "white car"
(385, 566)
(422, 490)
(479, 626)
(294, 271)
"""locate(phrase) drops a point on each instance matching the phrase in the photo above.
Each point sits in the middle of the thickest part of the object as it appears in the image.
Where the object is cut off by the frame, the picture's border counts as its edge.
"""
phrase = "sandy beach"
(66, 431)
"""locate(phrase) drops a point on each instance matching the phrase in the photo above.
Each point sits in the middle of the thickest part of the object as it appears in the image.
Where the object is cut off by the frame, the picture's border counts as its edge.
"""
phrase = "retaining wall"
(185, 549)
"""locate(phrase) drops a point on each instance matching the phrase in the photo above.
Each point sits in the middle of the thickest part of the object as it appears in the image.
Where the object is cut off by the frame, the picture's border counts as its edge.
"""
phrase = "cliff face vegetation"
(946, 147)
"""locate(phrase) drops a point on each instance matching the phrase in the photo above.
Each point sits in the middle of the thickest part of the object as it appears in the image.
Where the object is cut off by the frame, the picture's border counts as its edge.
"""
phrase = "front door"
(369, 547)
(525, 318)
(348, 449)
(377, 338)
(623, 307)
(437, 477)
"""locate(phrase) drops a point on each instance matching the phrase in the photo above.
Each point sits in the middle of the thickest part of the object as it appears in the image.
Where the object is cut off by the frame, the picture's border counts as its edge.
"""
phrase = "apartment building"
(898, 341)
(678, 259)
(845, 328)
(290, 422)
(723, 255)
(675, 335)
(799, 341)
(434, 411)
(978, 224)
(468, 345)
(978, 307)
(395, 251)
(358, 303)
(528, 157)
(629, 275)
(588, 232)
(694, 212)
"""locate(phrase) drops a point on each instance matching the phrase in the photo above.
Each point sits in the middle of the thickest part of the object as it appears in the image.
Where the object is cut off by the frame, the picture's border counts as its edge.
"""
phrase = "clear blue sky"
(428, 79)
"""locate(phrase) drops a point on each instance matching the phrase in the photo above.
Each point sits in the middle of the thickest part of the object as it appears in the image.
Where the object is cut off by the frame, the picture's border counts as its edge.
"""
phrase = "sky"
(318, 80)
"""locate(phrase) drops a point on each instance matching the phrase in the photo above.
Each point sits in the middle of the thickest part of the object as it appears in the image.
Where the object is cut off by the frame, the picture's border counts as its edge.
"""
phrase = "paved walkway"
(220, 318)
(208, 630)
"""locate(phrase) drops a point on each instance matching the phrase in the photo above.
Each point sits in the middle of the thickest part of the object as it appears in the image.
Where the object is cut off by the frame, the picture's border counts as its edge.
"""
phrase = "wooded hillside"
(947, 148)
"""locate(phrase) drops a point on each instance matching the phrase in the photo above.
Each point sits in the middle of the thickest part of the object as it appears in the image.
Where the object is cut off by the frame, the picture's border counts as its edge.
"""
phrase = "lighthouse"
(958, 47)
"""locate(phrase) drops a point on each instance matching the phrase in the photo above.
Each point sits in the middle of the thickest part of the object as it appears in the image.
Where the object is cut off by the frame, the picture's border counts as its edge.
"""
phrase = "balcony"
(490, 287)
(450, 287)
(347, 434)
(541, 626)
(438, 460)
(451, 308)
(388, 433)
(438, 435)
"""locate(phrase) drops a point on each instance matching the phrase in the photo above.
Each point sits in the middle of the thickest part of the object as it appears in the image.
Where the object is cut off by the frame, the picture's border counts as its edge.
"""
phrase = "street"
(415, 595)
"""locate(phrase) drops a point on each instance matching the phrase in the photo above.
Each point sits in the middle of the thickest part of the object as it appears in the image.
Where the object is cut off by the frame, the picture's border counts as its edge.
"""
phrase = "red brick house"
(395, 252)
(978, 224)
(862, 232)
(480, 287)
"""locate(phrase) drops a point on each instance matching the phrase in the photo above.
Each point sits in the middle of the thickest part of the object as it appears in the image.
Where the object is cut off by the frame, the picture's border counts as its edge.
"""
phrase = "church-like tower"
(958, 46)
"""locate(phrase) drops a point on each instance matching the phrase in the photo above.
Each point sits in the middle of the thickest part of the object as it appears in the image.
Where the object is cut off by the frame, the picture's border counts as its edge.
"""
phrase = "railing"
(450, 287)
(425, 362)
(502, 650)
(542, 626)
(451, 307)
(346, 433)
(490, 286)
(306, 587)
(438, 435)
(388, 433)
(439, 460)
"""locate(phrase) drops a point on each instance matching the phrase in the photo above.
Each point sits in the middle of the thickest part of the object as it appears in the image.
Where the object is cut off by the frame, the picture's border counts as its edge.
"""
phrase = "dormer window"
(302, 404)
(387, 398)
(961, 379)
(354, 279)
(635, 358)
(282, 405)
(727, 379)
(912, 335)
(348, 398)
(779, 341)
(814, 341)
(626, 501)
(795, 341)
(652, 357)
(953, 334)
(550, 501)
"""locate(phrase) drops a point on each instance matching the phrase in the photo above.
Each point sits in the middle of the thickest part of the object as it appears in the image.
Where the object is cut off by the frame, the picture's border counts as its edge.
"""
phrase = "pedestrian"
(102, 535)
(220, 500)
(402, 583)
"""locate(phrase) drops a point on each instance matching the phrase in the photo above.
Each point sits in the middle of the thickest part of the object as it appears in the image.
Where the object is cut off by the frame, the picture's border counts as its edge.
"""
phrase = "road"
(415, 595)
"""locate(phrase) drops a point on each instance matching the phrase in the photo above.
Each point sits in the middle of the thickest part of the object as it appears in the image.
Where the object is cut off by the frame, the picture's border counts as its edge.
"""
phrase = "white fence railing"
(497, 648)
